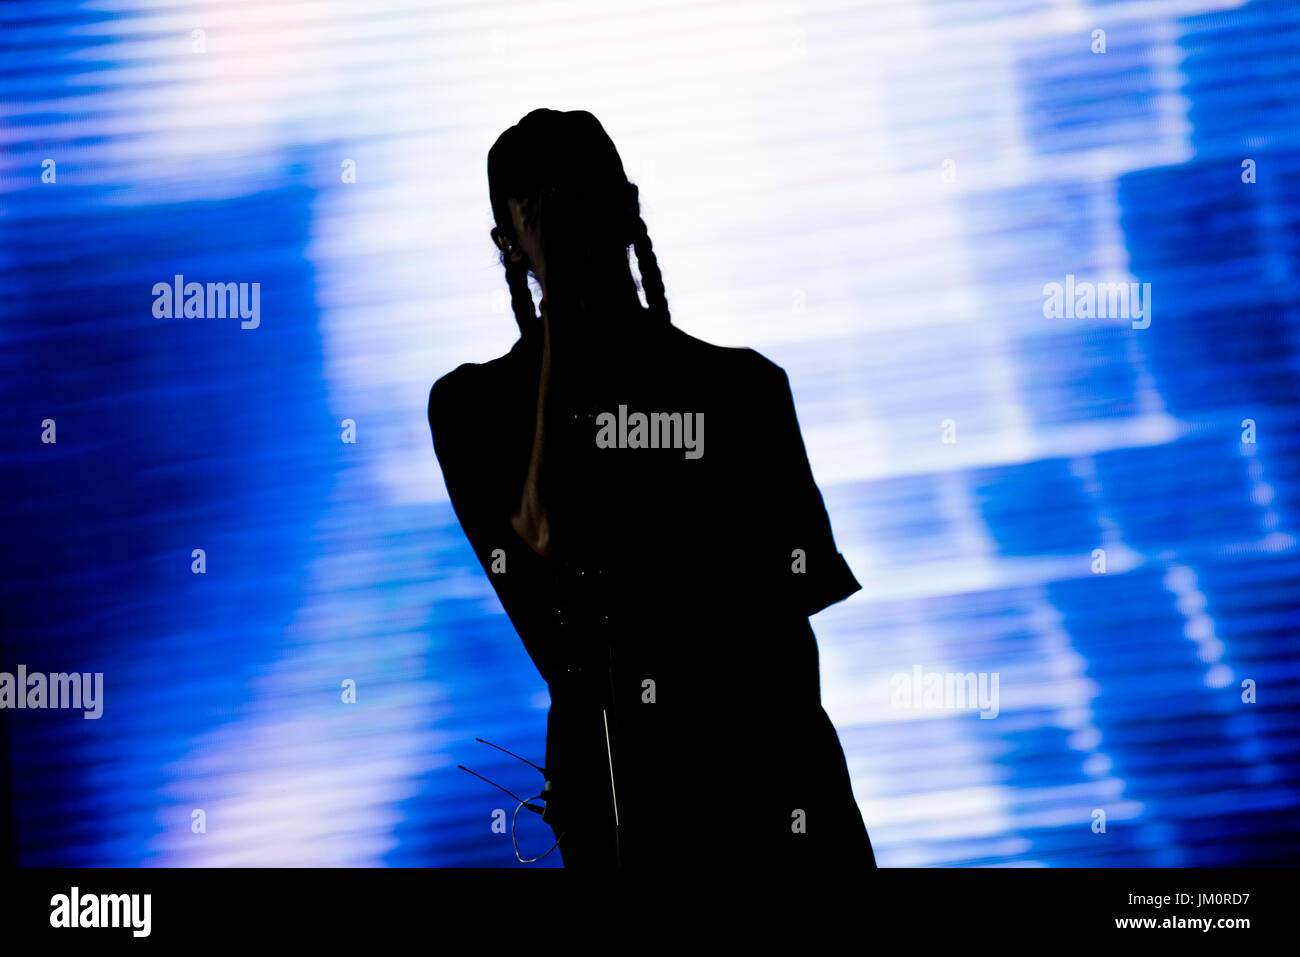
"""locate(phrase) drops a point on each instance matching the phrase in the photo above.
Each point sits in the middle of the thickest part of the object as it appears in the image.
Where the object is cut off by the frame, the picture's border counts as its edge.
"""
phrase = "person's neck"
(618, 297)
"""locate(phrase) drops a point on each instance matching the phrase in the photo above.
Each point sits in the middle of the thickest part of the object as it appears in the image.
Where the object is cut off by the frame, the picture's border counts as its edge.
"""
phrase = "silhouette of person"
(643, 505)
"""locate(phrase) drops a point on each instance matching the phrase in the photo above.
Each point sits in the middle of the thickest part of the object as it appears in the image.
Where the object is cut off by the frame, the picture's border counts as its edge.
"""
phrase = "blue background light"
(874, 195)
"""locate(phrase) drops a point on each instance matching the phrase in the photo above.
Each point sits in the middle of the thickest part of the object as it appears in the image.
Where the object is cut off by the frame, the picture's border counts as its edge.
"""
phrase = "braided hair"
(652, 280)
(569, 157)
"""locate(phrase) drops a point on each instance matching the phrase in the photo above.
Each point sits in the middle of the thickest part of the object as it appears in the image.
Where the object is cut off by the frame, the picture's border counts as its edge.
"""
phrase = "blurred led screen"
(1097, 507)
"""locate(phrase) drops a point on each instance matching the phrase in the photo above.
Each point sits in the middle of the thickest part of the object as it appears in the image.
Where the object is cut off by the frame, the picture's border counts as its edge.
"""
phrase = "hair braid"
(521, 297)
(652, 280)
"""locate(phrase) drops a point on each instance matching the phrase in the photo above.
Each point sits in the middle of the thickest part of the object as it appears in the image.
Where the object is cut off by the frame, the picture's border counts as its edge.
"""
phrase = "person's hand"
(553, 813)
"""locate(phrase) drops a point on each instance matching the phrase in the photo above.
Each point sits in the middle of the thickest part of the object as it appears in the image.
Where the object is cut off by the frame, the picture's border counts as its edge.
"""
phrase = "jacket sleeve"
(810, 572)
(522, 579)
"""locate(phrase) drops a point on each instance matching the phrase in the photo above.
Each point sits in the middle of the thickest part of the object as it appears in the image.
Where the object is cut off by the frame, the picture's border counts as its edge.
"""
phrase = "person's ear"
(508, 246)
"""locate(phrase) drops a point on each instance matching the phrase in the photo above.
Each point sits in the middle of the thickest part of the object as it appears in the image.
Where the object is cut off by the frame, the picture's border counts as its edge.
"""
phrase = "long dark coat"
(673, 631)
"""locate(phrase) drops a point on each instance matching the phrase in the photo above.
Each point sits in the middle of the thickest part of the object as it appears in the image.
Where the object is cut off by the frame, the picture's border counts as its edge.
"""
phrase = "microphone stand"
(585, 578)
(609, 755)
(592, 645)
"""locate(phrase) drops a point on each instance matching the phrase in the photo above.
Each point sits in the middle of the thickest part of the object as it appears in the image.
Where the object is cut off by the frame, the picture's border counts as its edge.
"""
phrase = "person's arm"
(808, 563)
(517, 573)
(547, 519)
(532, 521)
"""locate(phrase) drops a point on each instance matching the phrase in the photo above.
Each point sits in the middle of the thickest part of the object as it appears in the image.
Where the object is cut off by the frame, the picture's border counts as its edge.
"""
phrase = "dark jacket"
(673, 632)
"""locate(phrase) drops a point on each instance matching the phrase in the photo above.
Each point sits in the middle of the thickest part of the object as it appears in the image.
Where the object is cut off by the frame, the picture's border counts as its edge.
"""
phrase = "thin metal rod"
(610, 754)
(500, 788)
(511, 753)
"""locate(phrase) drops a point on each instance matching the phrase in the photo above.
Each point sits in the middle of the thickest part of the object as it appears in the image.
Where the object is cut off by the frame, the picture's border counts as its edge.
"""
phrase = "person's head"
(565, 211)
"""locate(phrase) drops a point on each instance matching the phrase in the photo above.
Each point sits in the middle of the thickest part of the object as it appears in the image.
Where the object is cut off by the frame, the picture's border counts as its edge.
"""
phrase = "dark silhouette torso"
(684, 574)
